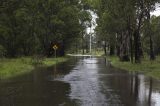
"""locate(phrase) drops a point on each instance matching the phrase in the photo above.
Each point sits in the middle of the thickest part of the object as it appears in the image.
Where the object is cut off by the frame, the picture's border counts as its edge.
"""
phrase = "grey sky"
(157, 11)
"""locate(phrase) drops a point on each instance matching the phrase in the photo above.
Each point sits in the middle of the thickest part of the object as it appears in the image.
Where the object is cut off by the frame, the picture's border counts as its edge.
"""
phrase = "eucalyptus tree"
(84, 18)
(150, 7)
(115, 23)
(125, 20)
(155, 26)
(143, 9)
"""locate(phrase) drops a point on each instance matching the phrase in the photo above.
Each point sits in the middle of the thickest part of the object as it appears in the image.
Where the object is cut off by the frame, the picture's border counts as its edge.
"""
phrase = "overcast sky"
(94, 16)
(157, 12)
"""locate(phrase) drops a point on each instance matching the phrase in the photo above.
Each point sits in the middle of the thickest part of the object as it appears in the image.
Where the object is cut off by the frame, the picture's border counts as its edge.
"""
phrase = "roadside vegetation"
(131, 34)
(53, 61)
(125, 28)
(32, 27)
(150, 68)
(18, 66)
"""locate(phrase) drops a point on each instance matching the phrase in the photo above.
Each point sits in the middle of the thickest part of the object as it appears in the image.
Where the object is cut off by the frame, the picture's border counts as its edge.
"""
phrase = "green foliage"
(155, 32)
(125, 25)
(2, 51)
(30, 27)
(155, 23)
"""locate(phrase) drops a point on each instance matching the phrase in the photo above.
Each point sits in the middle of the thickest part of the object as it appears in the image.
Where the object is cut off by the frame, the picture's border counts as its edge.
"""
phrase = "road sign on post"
(55, 47)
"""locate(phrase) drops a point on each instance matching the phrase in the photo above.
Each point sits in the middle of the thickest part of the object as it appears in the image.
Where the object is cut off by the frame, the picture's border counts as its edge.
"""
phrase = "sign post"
(55, 47)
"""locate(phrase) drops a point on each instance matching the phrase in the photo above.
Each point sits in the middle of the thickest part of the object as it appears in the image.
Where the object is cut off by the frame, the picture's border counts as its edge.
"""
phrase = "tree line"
(128, 28)
(29, 27)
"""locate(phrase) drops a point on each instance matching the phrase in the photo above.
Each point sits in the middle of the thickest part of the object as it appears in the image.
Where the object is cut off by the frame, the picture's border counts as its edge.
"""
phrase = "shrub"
(37, 59)
(2, 51)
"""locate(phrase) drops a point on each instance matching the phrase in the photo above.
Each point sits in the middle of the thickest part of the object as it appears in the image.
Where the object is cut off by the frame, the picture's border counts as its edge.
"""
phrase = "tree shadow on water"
(35, 89)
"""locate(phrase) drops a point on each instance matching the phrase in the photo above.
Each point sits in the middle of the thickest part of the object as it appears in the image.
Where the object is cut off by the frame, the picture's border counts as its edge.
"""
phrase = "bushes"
(37, 59)
(2, 51)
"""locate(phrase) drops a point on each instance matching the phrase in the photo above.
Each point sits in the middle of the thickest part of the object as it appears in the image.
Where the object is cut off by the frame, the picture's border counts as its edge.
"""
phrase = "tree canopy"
(30, 27)
(125, 21)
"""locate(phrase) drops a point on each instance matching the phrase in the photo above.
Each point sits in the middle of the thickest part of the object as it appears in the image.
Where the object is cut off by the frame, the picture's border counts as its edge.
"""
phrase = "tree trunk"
(62, 51)
(112, 50)
(131, 40)
(76, 48)
(137, 47)
(124, 47)
(131, 48)
(137, 41)
(104, 48)
(152, 55)
(118, 42)
(87, 48)
(82, 44)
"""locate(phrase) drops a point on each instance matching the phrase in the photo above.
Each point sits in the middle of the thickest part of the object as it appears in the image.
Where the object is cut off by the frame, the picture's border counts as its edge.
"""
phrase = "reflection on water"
(36, 89)
(84, 83)
(134, 89)
(80, 82)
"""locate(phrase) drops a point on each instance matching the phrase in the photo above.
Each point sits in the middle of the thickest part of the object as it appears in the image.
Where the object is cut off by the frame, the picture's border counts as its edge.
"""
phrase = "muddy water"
(80, 82)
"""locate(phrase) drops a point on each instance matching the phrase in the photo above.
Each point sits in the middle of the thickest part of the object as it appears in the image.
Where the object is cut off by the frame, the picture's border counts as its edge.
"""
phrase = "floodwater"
(81, 81)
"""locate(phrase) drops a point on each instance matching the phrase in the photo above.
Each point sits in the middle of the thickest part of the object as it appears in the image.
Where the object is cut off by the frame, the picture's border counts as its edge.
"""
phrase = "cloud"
(157, 11)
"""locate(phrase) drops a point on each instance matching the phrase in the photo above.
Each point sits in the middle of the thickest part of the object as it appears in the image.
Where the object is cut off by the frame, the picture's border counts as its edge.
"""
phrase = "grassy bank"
(150, 68)
(14, 67)
(53, 61)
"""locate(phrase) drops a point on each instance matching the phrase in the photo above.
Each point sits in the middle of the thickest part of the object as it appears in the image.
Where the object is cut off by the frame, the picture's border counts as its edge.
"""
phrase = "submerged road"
(82, 81)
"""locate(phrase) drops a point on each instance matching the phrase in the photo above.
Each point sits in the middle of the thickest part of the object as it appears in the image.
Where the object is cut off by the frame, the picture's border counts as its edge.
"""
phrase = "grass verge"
(53, 61)
(149, 68)
(13, 67)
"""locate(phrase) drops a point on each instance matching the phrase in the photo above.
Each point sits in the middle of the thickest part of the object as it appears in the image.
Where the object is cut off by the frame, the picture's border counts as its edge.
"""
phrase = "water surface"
(80, 82)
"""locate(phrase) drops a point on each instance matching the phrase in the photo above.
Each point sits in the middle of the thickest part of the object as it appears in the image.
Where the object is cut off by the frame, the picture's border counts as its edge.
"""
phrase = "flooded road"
(80, 82)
